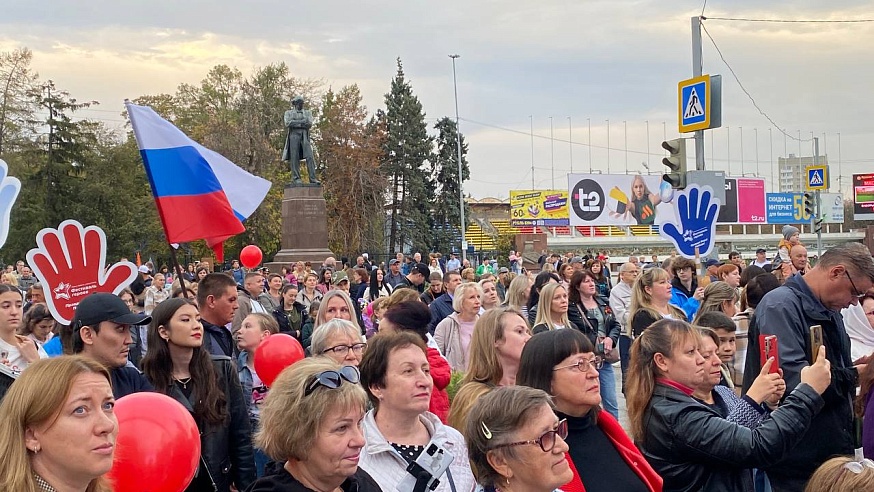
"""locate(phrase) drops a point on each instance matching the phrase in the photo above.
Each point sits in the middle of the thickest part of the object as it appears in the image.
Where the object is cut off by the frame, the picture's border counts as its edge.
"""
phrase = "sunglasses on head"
(333, 379)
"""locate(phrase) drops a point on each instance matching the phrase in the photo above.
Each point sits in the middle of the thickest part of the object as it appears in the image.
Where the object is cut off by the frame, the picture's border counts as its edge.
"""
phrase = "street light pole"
(458, 144)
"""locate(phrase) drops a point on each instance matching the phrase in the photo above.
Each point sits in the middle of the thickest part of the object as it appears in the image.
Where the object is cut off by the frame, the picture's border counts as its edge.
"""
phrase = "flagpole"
(179, 272)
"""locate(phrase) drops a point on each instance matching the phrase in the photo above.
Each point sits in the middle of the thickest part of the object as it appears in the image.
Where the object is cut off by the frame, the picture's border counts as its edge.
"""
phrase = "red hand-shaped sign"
(70, 262)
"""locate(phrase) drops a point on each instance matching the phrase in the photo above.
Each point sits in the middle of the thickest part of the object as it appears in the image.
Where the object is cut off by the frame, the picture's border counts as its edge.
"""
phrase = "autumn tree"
(350, 148)
(445, 218)
(407, 150)
(18, 88)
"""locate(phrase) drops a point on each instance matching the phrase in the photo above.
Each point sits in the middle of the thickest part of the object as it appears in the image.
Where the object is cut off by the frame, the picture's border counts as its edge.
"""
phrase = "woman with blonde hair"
(552, 309)
(718, 296)
(499, 336)
(650, 300)
(46, 443)
(517, 294)
(454, 333)
(336, 304)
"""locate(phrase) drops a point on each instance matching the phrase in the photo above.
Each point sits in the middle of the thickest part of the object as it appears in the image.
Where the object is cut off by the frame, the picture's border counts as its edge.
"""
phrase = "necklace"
(184, 381)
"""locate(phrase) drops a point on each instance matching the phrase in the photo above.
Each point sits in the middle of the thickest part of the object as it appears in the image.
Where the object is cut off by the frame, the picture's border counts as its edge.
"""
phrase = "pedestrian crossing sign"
(817, 177)
(694, 104)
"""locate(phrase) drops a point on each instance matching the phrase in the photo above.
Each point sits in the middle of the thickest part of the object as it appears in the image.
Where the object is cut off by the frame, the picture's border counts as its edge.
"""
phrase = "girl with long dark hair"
(208, 386)
(377, 288)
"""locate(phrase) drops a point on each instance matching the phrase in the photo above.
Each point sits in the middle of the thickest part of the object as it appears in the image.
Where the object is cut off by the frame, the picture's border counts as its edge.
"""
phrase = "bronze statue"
(297, 142)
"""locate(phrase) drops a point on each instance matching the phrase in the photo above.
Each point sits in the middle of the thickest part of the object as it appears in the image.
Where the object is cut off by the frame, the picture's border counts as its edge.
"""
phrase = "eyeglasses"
(856, 294)
(583, 365)
(342, 350)
(545, 441)
(333, 379)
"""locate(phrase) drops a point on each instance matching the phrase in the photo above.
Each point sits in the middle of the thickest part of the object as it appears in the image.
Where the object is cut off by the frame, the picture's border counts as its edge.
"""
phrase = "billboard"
(786, 208)
(863, 196)
(622, 200)
(539, 208)
(744, 202)
(832, 208)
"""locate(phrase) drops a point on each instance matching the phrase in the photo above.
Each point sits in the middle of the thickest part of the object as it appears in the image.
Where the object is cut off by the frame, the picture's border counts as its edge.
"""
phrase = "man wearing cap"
(712, 269)
(416, 278)
(101, 331)
(394, 275)
(442, 306)
(761, 258)
(217, 301)
(454, 263)
(577, 264)
(340, 281)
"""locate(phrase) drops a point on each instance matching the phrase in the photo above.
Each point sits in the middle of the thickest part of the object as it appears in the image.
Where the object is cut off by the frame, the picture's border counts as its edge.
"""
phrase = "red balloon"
(251, 256)
(274, 354)
(158, 444)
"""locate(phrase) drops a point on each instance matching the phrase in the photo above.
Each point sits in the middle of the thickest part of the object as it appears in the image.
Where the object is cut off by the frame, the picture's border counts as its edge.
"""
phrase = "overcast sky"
(579, 62)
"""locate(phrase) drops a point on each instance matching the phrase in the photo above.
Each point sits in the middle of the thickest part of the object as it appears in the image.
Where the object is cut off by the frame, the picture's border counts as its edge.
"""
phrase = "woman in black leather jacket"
(208, 386)
(591, 314)
(689, 444)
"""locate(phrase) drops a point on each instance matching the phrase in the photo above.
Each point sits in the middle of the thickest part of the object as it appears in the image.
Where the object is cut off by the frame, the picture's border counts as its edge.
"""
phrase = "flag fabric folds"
(199, 193)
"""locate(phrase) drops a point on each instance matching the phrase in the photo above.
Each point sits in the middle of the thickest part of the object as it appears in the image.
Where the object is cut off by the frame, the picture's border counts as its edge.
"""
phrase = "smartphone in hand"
(815, 342)
(768, 348)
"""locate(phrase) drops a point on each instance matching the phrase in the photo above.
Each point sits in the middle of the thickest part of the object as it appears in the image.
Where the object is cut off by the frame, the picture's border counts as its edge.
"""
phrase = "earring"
(36, 449)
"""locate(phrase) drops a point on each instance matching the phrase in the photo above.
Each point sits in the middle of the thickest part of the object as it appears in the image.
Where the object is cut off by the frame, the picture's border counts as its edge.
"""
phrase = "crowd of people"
(434, 374)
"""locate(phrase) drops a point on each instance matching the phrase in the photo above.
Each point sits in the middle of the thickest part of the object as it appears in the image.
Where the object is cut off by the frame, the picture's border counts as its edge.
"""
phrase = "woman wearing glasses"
(322, 450)
(208, 386)
(516, 442)
(601, 456)
(396, 375)
(340, 340)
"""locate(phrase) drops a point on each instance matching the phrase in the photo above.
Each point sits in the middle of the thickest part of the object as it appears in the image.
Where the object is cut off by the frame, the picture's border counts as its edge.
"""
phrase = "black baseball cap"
(422, 269)
(761, 250)
(102, 306)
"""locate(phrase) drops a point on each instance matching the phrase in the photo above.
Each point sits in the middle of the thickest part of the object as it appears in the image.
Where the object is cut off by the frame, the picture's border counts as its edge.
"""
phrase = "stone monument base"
(304, 228)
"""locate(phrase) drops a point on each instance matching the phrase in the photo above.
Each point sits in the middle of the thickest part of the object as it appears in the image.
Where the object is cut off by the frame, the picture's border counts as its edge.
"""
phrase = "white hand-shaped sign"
(70, 261)
(697, 227)
(9, 188)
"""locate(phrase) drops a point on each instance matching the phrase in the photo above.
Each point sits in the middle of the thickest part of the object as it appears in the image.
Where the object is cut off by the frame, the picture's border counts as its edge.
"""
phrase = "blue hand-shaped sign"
(696, 209)
(9, 188)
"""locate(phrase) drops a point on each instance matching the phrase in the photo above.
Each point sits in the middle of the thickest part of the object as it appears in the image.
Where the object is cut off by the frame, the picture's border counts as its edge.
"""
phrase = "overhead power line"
(789, 21)
(745, 91)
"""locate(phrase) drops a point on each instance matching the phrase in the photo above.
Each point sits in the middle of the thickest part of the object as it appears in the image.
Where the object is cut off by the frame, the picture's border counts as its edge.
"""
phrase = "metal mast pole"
(460, 177)
(697, 69)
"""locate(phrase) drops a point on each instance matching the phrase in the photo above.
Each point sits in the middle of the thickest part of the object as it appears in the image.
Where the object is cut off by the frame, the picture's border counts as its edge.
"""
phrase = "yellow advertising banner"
(539, 208)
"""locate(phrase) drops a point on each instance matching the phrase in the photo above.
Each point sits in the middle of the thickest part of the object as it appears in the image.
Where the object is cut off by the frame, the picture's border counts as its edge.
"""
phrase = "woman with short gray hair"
(339, 340)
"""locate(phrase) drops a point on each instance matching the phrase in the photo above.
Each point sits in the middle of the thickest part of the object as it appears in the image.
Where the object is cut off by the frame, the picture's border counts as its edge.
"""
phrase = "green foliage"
(446, 216)
(407, 149)
(454, 384)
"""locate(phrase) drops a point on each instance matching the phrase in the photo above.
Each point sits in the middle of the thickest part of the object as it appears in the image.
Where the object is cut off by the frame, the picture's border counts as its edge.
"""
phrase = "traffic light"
(676, 162)
(809, 205)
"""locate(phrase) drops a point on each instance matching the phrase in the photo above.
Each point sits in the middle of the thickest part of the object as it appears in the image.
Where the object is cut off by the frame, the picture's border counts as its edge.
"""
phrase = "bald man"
(620, 300)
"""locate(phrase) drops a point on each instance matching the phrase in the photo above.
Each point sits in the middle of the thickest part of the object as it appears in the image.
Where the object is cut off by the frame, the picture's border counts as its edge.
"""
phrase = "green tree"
(350, 147)
(407, 149)
(18, 85)
(446, 217)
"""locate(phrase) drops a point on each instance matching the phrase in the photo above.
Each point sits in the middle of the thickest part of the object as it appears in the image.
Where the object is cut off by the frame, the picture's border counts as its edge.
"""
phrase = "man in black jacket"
(101, 331)
(442, 306)
(842, 276)
(217, 300)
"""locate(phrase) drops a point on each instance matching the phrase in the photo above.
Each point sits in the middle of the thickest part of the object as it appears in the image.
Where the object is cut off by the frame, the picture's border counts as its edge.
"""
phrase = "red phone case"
(768, 348)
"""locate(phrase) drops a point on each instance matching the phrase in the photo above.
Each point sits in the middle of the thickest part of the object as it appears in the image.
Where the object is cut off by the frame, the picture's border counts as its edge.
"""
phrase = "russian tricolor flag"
(200, 194)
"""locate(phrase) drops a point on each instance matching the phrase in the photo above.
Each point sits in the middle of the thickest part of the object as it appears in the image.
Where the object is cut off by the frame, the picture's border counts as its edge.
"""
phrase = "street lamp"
(458, 144)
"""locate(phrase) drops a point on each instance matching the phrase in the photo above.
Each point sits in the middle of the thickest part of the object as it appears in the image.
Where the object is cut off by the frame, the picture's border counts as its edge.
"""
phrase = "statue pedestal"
(304, 228)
